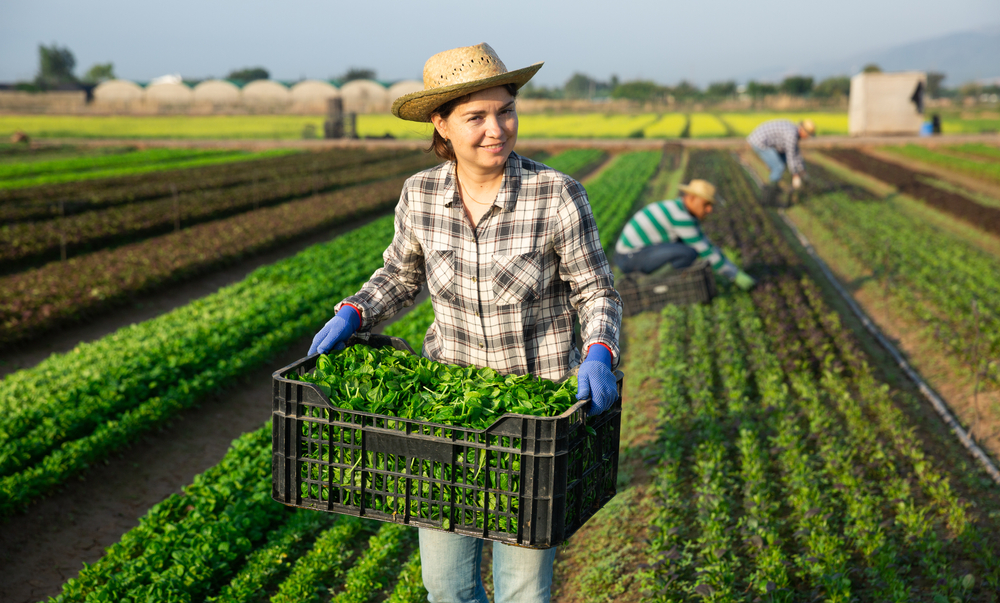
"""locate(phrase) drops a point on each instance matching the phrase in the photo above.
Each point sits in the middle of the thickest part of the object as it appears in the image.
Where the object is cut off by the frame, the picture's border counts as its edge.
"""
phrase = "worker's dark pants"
(651, 257)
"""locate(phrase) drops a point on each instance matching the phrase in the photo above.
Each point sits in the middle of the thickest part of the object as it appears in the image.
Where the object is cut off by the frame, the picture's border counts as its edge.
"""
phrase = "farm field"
(763, 454)
(532, 125)
(826, 123)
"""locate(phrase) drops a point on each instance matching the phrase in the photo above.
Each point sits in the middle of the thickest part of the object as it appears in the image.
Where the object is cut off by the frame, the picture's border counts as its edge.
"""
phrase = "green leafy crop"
(400, 384)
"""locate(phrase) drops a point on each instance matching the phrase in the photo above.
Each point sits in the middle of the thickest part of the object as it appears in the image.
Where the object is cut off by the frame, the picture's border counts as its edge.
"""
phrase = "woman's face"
(482, 130)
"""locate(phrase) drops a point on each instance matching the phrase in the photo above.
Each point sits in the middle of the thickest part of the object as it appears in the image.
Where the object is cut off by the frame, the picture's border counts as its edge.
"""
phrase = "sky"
(661, 40)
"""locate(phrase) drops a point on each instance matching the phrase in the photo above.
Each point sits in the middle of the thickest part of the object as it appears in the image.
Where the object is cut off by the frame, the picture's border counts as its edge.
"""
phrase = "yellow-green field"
(706, 125)
(670, 125)
(583, 125)
(826, 123)
(540, 125)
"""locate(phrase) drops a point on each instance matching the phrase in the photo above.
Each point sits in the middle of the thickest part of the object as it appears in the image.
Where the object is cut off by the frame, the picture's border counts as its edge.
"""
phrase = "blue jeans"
(451, 570)
(775, 161)
(649, 258)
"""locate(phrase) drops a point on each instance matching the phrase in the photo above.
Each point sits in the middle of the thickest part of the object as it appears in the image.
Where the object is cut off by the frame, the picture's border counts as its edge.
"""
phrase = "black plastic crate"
(691, 285)
(529, 481)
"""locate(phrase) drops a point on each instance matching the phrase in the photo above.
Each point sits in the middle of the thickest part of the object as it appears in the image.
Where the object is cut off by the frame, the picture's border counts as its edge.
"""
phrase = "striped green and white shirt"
(671, 222)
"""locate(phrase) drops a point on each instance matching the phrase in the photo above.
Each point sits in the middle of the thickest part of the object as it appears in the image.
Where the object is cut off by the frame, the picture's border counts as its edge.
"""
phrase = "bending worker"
(510, 252)
(776, 142)
(669, 232)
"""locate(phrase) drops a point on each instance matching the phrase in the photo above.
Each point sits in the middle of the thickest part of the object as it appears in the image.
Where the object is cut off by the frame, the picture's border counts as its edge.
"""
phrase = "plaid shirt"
(782, 136)
(505, 295)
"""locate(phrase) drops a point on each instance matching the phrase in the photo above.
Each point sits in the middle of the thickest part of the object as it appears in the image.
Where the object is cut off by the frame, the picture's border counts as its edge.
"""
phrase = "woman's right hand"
(336, 331)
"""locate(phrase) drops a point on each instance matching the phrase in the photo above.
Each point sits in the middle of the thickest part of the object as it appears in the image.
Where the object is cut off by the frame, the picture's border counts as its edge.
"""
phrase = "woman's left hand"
(596, 381)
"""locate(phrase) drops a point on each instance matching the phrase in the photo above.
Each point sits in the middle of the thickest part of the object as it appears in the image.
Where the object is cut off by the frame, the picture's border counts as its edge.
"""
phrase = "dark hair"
(440, 146)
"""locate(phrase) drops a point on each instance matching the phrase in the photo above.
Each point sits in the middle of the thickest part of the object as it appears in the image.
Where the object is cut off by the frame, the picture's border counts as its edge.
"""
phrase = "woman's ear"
(440, 125)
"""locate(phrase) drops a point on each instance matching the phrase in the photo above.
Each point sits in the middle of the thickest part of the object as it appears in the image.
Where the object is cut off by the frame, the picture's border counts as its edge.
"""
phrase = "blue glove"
(335, 332)
(596, 381)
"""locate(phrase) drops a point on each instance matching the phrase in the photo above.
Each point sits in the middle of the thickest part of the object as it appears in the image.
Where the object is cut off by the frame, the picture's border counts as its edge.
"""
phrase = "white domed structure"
(404, 87)
(217, 92)
(266, 92)
(170, 93)
(365, 96)
(118, 91)
(310, 96)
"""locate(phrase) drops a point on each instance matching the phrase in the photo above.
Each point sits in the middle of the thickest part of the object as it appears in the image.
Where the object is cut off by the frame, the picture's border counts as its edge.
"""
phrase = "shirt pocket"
(441, 273)
(516, 278)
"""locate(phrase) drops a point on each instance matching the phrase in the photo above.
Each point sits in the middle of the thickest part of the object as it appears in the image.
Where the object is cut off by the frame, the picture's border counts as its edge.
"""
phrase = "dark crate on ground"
(641, 293)
(528, 481)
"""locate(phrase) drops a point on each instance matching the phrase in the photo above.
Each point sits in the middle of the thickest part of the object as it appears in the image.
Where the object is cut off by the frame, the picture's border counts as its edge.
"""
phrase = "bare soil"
(41, 549)
(971, 182)
(906, 181)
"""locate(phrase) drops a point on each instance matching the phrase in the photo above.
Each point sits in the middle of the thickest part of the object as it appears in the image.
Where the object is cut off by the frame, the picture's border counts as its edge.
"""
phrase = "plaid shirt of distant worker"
(671, 222)
(504, 296)
(782, 136)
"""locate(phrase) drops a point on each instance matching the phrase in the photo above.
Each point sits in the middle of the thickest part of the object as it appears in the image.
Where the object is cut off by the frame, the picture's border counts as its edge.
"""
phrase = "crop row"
(106, 165)
(224, 539)
(61, 293)
(285, 555)
(56, 200)
(46, 240)
(614, 193)
(804, 477)
(975, 160)
(907, 181)
(99, 397)
(947, 285)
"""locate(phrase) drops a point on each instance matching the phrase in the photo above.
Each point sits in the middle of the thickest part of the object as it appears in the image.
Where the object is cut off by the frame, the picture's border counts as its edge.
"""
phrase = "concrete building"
(886, 103)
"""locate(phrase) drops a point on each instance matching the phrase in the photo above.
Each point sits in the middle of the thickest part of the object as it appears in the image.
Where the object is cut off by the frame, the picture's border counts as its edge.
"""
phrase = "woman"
(511, 255)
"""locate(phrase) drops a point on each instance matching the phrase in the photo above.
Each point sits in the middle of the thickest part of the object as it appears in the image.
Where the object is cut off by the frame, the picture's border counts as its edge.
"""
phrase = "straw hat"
(699, 188)
(458, 72)
(808, 126)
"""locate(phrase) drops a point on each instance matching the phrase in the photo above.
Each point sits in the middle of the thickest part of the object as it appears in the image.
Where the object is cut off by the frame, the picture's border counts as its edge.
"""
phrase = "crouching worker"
(776, 142)
(668, 233)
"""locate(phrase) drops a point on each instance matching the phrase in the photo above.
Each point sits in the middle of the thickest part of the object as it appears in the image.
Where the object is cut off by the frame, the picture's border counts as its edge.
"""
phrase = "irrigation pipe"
(939, 405)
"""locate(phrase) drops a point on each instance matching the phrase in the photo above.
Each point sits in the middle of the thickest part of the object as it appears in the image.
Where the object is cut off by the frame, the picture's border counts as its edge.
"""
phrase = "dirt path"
(41, 549)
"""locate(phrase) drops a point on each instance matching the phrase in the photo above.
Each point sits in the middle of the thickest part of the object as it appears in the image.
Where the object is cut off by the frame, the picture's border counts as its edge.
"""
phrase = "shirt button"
(477, 314)
(473, 279)
(480, 344)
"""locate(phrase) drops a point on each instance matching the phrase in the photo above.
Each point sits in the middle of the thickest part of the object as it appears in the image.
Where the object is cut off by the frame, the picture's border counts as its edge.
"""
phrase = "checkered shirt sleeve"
(506, 295)
(782, 136)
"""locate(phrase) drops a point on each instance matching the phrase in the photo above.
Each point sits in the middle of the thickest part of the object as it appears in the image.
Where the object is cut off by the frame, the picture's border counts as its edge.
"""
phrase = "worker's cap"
(701, 188)
(808, 125)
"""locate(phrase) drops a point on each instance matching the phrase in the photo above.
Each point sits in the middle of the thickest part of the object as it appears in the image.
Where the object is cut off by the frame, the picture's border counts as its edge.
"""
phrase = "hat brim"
(418, 106)
(687, 189)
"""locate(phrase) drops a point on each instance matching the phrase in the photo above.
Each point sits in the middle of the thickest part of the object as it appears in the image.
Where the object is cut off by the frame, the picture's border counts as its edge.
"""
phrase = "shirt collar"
(509, 188)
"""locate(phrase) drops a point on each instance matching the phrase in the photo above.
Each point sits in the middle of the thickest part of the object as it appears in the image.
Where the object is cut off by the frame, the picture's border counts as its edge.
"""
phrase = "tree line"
(582, 86)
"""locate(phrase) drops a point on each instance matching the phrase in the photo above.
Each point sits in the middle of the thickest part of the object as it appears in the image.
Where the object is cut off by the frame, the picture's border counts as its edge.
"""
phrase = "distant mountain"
(962, 57)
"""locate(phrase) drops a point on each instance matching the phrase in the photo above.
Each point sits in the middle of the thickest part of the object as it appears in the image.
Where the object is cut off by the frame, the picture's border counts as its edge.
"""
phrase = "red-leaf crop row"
(33, 242)
(48, 201)
(64, 292)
